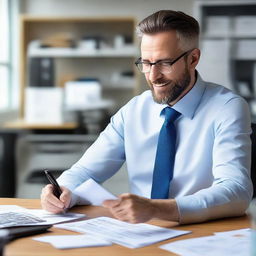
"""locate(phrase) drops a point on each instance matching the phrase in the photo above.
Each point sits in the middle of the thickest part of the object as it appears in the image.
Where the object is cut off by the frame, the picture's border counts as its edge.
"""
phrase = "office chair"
(253, 165)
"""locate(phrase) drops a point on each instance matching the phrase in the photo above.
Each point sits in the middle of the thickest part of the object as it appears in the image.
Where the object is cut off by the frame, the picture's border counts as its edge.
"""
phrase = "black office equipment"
(41, 72)
(22, 231)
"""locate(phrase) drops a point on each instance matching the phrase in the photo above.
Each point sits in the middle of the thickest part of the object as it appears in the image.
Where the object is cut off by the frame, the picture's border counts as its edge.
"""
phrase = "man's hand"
(136, 209)
(51, 203)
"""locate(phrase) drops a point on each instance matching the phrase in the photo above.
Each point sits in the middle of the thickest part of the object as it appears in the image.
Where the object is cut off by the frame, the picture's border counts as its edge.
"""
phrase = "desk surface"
(21, 124)
(28, 247)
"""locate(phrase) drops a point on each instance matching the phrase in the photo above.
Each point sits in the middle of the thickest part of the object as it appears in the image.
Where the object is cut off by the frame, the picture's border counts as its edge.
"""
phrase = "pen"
(56, 188)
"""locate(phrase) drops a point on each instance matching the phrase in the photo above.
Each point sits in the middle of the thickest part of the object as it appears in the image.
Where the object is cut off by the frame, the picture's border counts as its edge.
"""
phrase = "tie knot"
(171, 114)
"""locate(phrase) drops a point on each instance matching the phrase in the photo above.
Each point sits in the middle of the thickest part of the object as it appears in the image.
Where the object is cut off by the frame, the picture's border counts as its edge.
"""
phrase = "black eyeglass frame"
(171, 62)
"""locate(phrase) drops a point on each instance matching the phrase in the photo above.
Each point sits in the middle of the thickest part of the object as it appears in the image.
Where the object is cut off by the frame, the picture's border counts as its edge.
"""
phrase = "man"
(205, 161)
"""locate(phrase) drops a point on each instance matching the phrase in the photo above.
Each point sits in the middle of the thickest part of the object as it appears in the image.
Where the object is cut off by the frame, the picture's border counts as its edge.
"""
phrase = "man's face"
(166, 88)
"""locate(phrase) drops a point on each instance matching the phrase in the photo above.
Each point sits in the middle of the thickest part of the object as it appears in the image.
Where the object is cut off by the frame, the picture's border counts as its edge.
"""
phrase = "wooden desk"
(21, 124)
(28, 247)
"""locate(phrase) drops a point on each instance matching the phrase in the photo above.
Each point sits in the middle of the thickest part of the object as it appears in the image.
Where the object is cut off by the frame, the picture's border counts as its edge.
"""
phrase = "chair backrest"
(253, 165)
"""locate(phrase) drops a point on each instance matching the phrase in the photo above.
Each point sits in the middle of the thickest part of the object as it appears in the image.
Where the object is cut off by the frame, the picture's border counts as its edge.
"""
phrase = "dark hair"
(186, 27)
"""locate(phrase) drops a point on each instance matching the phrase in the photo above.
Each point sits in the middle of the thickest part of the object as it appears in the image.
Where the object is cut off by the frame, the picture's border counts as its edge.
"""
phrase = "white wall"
(137, 8)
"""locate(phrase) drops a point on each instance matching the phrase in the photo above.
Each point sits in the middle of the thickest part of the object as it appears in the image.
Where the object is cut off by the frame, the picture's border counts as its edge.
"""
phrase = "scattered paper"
(90, 192)
(73, 241)
(235, 243)
(123, 233)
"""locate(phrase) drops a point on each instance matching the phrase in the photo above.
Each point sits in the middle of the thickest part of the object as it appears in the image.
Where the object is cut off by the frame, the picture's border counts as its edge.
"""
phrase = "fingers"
(131, 208)
(121, 208)
(51, 203)
(111, 203)
(65, 197)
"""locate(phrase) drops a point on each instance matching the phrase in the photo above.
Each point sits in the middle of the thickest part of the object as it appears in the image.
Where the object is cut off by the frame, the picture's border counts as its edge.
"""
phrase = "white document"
(225, 243)
(10, 207)
(51, 218)
(90, 192)
(123, 233)
(73, 241)
(245, 232)
(13, 215)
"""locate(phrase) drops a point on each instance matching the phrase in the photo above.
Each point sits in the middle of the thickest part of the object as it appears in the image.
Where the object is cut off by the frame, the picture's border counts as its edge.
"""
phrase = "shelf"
(34, 50)
(118, 87)
(108, 60)
(103, 104)
(244, 58)
(227, 36)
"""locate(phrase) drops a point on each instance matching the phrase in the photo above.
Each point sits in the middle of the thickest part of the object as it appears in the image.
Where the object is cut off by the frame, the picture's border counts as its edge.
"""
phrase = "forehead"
(159, 45)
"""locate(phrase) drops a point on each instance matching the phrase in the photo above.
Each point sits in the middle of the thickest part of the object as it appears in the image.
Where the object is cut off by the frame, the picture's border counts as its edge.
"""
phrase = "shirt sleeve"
(101, 161)
(232, 189)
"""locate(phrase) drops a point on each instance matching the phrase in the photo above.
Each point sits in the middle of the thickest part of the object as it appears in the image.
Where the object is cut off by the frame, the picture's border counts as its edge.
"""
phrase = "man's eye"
(164, 64)
(145, 64)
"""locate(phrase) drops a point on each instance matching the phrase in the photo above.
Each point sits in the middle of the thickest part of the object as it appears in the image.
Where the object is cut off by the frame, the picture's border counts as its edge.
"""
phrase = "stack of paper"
(245, 49)
(218, 25)
(214, 63)
(123, 233)
(245, 25)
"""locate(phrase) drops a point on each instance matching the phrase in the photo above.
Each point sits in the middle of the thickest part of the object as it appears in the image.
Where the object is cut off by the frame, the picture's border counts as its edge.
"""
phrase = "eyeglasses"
(164, 66)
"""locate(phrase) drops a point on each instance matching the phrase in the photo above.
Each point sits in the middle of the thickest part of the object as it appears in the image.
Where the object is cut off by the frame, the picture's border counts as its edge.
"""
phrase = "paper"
(73, 241)
(235, 243)
(13, 215)
(90, 192)
(51, 218)
(245, 232)
(123, 233)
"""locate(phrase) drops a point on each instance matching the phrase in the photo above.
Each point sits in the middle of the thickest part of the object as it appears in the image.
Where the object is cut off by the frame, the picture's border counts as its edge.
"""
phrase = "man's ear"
(194, 58)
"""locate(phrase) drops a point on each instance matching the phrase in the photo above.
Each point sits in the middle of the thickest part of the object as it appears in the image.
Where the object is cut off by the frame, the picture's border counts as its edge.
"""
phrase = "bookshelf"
(103, 48)
(228, 43)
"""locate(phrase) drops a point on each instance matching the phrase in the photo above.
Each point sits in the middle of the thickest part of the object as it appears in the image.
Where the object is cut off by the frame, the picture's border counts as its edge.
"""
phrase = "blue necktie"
(165, 154)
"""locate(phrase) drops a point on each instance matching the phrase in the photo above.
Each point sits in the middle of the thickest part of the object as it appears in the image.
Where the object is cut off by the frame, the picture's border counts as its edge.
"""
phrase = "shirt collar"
(188, 104)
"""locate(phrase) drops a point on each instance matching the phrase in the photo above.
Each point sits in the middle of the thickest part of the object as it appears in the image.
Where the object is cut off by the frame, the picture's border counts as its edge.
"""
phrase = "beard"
(174, 90)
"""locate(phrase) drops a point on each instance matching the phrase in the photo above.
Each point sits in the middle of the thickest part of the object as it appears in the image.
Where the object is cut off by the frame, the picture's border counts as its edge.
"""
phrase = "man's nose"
(154, 73)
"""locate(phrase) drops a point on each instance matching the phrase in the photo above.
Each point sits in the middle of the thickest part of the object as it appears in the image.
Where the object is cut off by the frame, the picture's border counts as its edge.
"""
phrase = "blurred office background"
(67, 66)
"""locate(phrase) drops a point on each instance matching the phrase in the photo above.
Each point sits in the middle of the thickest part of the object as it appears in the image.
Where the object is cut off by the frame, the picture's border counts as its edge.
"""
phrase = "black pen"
(56, 188)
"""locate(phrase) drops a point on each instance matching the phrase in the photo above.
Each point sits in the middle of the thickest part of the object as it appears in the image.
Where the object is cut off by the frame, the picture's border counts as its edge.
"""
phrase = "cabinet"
(228, 44)
(99, 49)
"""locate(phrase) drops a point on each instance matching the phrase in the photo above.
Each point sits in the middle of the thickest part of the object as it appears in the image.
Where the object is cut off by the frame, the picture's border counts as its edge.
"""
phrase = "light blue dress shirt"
(212, 165)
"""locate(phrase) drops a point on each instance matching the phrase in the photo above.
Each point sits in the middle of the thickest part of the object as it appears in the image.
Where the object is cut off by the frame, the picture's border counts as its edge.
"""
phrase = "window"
(5, 66)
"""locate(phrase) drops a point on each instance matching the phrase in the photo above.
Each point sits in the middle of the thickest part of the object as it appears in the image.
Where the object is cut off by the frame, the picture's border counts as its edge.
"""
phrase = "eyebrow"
(165, 59)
